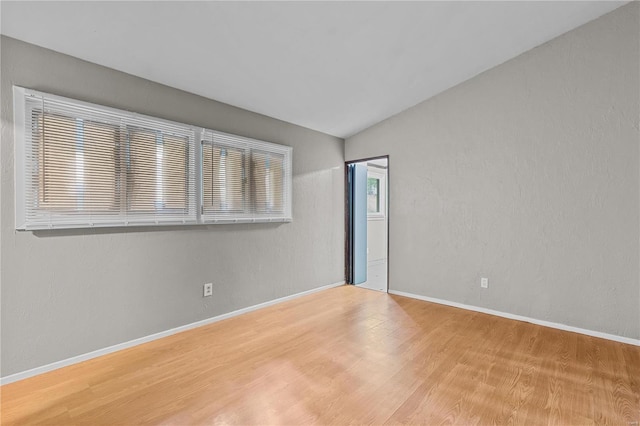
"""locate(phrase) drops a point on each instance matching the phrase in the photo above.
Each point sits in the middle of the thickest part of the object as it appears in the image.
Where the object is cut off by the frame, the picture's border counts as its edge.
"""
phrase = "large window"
(83, 165)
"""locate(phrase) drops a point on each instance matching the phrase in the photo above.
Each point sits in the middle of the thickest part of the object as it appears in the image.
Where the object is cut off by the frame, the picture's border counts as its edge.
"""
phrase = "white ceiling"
(336, 67)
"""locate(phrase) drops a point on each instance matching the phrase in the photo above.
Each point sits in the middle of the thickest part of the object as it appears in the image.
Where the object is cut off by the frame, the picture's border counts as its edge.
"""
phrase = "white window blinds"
(84, 165)
(244, 179)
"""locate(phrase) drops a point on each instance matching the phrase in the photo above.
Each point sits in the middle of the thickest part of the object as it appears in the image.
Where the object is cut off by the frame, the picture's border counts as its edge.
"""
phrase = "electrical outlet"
(484, 282)
(208, 290)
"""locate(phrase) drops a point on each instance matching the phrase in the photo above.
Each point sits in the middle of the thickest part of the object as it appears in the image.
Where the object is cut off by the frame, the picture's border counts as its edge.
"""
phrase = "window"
(376, 193)
(244, 179)
(267, 170)
(67, 175)
(157, 173)
(223, 179)
(84, 165)
(373, 195)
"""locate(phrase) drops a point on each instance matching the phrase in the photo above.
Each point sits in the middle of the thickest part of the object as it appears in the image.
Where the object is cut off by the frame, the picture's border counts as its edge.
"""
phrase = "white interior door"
(377, 226)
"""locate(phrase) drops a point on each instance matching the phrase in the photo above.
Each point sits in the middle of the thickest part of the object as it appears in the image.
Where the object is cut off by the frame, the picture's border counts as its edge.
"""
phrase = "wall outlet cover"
(208, 290)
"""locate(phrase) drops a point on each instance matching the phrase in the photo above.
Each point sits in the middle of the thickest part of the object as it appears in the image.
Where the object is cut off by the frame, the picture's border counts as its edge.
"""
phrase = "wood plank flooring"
(345, 356)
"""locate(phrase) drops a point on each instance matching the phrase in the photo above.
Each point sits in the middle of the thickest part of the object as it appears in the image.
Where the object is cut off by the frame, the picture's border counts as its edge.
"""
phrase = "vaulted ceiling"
(336, 67)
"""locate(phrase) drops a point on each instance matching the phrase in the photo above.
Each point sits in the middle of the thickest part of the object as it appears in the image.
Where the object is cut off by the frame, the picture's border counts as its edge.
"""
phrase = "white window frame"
(23, 171)
(373, 173)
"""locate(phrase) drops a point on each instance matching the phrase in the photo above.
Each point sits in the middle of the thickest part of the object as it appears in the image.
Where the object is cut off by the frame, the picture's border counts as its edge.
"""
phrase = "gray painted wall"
(66, 293)
(526, 174)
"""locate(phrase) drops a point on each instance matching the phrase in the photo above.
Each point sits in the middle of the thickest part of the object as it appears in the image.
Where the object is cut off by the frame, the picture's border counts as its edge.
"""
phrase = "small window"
(223, 179)
(376, 193)
(67, 174)
(157, 173)
(244, 179)
(267, 178)
(373, 195)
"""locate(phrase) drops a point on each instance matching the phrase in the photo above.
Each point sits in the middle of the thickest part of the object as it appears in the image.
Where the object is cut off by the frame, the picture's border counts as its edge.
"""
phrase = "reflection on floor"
(376, 276)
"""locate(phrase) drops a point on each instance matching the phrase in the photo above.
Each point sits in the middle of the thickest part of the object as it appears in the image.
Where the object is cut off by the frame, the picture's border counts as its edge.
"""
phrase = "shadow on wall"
(47, 233)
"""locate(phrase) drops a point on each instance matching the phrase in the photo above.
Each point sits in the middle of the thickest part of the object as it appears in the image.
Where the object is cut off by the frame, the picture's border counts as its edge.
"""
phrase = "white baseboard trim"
(550, 324)
(135, 342)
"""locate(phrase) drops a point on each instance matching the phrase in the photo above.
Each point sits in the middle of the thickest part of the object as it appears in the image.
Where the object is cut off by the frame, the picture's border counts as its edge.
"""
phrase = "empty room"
(331, 213)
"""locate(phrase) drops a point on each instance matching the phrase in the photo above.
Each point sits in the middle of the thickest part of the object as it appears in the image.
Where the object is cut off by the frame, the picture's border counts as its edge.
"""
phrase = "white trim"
(135, 342)
(543, 323)
(374, 217)
(19, 171)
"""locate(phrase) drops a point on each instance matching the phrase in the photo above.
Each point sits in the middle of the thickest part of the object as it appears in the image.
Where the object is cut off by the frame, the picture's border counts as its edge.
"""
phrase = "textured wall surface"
(526, 174)
(65, 293)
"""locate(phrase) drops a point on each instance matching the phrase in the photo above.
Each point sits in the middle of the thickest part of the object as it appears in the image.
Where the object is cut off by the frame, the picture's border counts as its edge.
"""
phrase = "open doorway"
(368, 223)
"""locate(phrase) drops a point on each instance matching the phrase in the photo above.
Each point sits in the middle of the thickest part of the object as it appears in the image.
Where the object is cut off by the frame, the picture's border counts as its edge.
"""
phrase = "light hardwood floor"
(344, 356)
